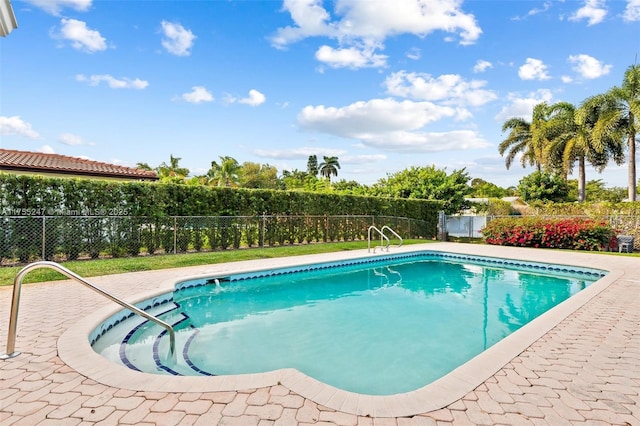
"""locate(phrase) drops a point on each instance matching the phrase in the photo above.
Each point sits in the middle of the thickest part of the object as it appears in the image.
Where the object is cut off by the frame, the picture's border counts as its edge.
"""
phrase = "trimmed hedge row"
(69, 218)
(574, 233)
(37, 196)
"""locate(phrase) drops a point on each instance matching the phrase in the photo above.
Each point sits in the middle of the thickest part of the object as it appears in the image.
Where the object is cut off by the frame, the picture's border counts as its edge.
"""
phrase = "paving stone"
(136, 415)
(288, 417)
(125, 403)
(165, 404)
(342, 419)
(93, 414)
(170, 418)
(287, 401)
(236, 407)
(239, 421)
(604, 416)
(476, 414)
(268, 412)
(194, 407)
(563, 410)
(416, 421)
(259, 397)
(308, 412)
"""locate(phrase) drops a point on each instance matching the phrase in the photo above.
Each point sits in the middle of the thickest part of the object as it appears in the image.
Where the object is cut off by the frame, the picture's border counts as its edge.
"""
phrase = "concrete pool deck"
(577, 364)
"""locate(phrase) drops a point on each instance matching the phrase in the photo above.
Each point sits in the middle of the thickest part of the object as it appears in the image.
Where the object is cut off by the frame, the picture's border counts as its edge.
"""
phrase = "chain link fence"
(25, 239)
(470, 226)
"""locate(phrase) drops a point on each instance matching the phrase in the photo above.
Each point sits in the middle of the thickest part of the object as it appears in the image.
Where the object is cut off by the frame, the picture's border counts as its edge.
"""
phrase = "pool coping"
(74, 348)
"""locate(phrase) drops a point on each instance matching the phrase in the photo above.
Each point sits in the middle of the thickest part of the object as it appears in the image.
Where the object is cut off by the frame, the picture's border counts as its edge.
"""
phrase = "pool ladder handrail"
(15, 302)
(383, 238)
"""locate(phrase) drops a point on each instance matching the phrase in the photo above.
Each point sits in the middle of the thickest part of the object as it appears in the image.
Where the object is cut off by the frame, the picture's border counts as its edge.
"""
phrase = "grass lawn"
(92, 268)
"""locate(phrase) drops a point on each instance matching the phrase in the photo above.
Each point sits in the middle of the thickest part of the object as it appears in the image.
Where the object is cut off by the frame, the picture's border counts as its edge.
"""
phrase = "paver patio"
(582, 369)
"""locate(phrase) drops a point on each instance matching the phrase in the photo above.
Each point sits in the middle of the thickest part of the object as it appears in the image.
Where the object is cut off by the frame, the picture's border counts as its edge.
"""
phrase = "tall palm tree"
(526, 138)
(172, 171)
(619, 119)
(227, 173)
(329, 167)
(579, 145)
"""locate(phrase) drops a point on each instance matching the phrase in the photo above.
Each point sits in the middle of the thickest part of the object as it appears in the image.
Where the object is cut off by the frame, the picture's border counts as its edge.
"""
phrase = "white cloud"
(523, 106)
(632, 11)
(414, 53)
(17, 126)
(533, 69)
(178, 40)
(112, 82)
(298, 153)
(73, 140)
(362, 159)
(448, 88)
(352, 57)
(390, 125)
(198, 95)
(566, 79)
(588, 66)
(593, 11)
(54, 7)
(255, 98)
(82, 37)
(46, 149)
(374, 116)
(546, 6)
(358, 24)
(401, 141)
(482, 66)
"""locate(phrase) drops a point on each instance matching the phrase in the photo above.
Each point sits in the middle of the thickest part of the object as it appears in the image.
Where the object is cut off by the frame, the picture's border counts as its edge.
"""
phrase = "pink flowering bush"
(575, 233)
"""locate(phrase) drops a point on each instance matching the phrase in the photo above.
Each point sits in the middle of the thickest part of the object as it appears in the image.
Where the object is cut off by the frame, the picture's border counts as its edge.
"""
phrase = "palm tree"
(619, 119)
(526, 138)
(579, 145)
(172, 171)
(227, 173)
(329, 167)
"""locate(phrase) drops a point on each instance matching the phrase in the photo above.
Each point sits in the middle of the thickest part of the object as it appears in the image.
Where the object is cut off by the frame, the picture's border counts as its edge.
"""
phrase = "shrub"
(576, 234)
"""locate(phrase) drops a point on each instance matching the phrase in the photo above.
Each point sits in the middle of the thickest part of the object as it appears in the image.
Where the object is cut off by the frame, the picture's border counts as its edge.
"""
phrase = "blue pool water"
(377, 327)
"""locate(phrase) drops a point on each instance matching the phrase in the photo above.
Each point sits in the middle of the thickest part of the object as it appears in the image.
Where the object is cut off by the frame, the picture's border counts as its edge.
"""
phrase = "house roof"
(25, 161)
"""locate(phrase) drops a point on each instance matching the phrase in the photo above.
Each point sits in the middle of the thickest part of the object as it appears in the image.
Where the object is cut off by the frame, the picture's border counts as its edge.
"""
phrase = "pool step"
(146, 346)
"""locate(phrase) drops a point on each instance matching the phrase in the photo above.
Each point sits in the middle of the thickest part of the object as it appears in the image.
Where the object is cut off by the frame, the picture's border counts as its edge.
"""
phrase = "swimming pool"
(256, 321)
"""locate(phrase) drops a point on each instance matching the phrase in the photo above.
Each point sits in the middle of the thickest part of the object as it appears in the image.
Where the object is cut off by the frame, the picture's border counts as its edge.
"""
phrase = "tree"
(144, 166)
(480, 188)
(312, 165)
(227, 173)
(172, 172)
(579, 145)
(329, 167)
(543, 186)
(256, 175)
(596, 191)
(427, 183)
(350, 187)
(526, 138)
(619, 119)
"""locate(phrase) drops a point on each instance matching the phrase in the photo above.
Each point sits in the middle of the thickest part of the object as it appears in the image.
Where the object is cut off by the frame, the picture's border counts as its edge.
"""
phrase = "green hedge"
(29, 195)
(123, 218)
(574, 233)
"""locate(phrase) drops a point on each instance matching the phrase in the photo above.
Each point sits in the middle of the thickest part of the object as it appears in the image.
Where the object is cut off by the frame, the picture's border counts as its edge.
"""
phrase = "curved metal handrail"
(383, 239)
(15, 302)
(393, 232)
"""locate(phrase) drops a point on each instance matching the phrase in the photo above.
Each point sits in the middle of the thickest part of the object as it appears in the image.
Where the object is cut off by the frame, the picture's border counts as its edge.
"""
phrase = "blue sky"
(382, 85)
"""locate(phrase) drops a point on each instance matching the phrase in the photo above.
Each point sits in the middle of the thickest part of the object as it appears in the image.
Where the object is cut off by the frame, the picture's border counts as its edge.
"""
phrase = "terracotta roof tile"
(37, 161)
